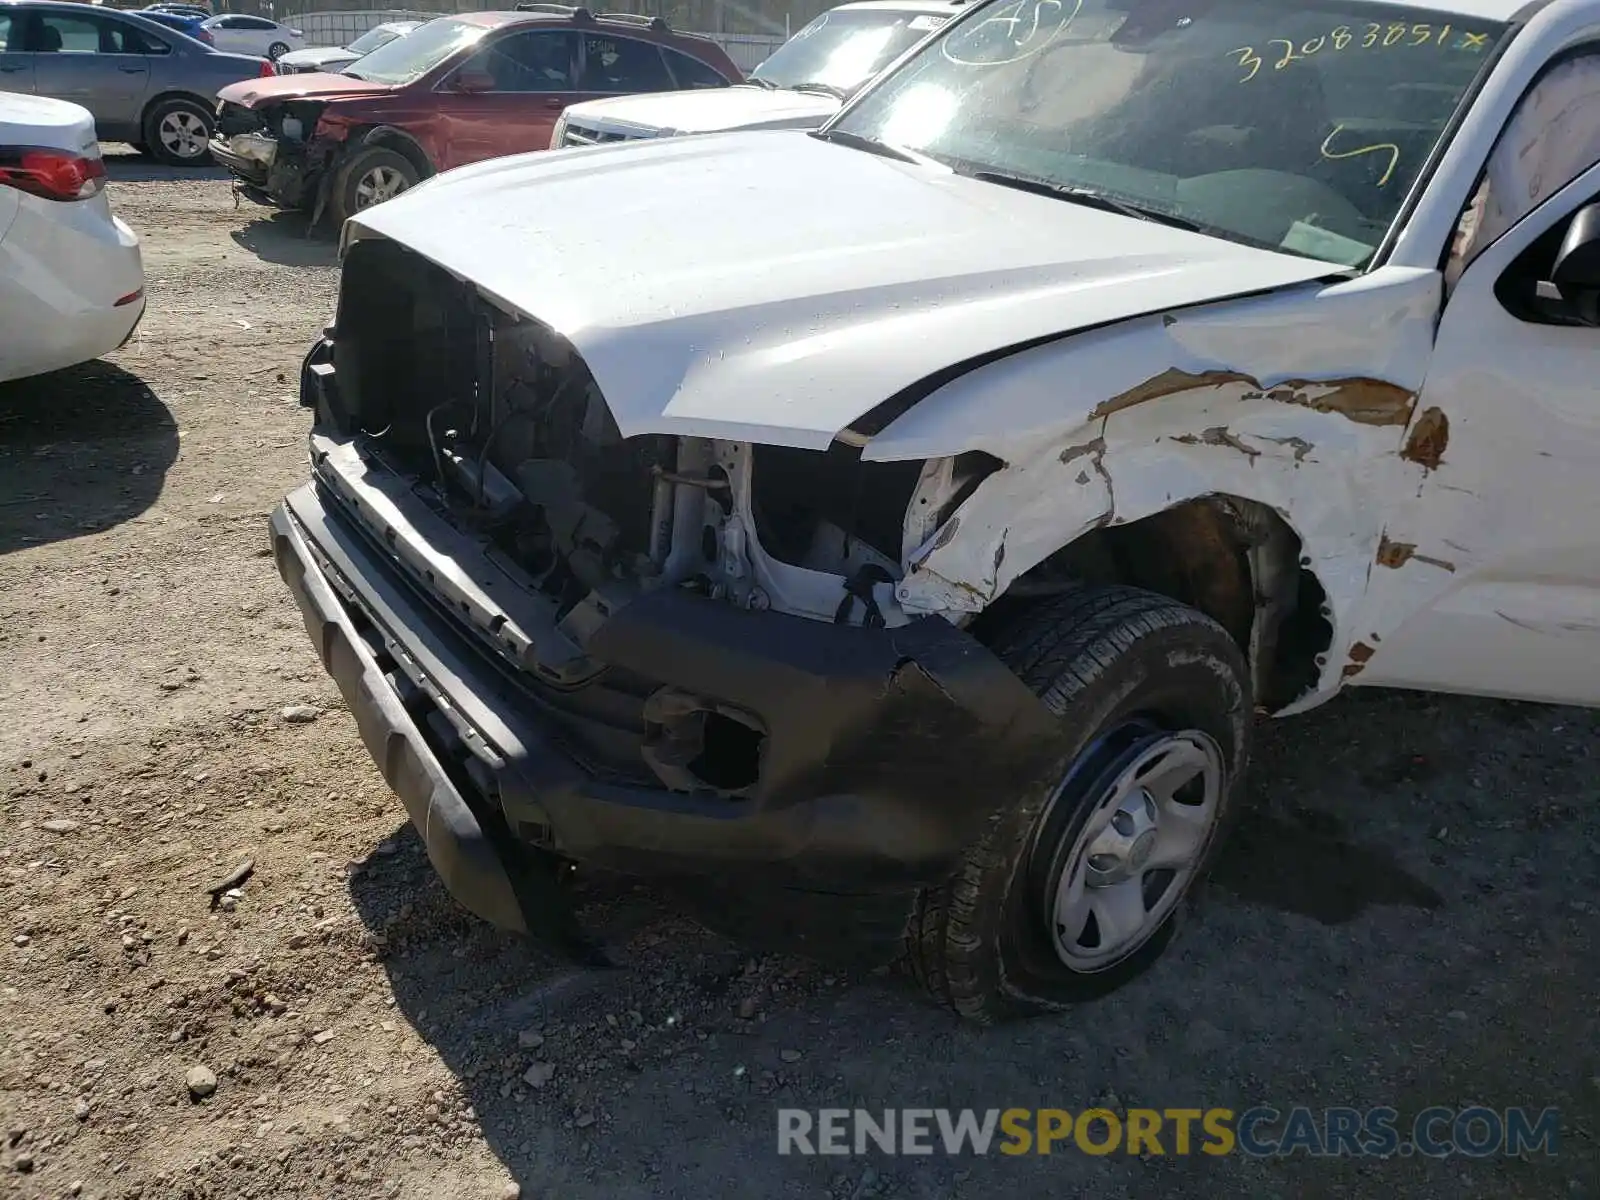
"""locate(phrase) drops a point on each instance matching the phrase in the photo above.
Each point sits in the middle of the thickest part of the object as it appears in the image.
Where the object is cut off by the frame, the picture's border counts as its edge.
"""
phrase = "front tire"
(1079, 885)
(178, 132)
(371, 177)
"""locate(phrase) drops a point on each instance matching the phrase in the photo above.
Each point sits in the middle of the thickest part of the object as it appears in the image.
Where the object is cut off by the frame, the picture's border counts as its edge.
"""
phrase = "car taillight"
(267, 69)
(205, 36)
(52, 174)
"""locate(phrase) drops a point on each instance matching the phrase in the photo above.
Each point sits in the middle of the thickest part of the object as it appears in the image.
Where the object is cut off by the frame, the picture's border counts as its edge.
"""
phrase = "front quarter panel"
(410, 110)
(1298, 400)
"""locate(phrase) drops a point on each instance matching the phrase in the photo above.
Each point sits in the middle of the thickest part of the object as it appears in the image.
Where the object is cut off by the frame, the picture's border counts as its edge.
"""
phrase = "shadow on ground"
(1299, 860)
(124, 164)
(287, 238)
(1365, 945)
(81, 450)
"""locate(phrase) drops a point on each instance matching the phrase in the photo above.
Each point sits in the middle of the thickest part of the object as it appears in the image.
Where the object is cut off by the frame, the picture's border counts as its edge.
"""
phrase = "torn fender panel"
(1395, 555)
(1358, 349)
(1322, 453)
(1367, 401)
(1428, 439)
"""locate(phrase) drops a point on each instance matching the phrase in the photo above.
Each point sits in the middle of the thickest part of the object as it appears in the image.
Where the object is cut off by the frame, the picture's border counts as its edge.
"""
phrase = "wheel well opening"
(391, 139)
(161, 98)
(1238, 561)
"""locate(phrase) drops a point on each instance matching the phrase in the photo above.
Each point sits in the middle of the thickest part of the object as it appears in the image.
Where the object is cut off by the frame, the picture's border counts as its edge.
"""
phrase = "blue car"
(181, 22)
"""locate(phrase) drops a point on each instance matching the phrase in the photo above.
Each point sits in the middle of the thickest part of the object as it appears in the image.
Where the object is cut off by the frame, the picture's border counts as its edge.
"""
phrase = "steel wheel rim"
(183, 134)
(377, 185)
(1153, 815)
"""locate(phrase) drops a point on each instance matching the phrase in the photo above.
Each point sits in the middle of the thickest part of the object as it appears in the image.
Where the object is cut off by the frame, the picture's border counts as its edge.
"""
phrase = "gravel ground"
(1407, 917)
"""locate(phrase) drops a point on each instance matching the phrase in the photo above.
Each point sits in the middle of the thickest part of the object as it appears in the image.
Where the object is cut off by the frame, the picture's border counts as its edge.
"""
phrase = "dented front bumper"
(884, 751)
(271, 171)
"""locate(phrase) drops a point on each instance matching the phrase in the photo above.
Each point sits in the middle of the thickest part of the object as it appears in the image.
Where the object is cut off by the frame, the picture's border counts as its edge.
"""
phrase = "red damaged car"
(457, 90)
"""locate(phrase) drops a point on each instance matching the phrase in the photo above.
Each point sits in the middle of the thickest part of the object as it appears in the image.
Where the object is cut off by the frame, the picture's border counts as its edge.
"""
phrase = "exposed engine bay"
(502, 430)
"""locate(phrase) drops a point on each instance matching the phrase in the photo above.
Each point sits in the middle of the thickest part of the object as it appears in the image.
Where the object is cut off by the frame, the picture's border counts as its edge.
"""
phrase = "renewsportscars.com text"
(1259, 1132)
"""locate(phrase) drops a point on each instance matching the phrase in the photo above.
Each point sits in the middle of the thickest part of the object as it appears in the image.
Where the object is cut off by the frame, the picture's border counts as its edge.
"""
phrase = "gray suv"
(144, 83)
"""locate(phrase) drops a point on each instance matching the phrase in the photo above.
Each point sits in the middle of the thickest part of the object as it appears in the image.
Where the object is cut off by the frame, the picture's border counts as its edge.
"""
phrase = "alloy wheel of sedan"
(377, 185)
(183, 134)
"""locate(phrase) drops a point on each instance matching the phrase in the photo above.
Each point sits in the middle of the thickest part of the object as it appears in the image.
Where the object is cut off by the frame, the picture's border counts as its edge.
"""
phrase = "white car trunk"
(71, 276)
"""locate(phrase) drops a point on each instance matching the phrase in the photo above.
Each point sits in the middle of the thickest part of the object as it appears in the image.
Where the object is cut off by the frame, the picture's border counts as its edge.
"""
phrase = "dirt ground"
(1407, 917)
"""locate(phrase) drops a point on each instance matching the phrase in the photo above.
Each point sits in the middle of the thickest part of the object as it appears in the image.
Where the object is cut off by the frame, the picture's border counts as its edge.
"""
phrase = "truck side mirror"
(1576, 273)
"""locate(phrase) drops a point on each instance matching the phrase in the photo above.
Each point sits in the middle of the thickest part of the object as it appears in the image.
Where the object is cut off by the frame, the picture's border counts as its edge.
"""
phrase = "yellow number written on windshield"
(1280, 52)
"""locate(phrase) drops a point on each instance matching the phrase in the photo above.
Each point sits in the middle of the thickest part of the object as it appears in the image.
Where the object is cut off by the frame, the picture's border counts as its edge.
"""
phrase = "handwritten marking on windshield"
(1288, 53)
(1011, 33)
(1374, 35)
(1376, 148)
(1248, 58)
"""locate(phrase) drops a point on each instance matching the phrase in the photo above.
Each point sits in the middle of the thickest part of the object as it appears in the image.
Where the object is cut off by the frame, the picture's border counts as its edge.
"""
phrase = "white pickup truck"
(800, 86)
(1124, 369)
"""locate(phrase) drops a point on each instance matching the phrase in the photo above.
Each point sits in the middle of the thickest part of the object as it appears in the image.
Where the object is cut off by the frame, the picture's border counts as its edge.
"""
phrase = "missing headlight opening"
(500, 423)
(503, 430)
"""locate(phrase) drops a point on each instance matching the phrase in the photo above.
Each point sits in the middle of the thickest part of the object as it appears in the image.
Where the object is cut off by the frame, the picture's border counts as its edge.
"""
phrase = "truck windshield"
(840, 51)
(1278, 123)
(411, 57)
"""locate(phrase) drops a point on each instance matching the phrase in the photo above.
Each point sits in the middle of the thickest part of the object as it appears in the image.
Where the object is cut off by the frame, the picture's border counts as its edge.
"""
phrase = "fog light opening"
(695, 745)
(730, 754)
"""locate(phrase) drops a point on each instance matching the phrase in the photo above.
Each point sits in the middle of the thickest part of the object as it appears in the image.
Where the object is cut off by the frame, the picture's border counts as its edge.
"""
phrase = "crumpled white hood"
(713, 110)
(772, 287)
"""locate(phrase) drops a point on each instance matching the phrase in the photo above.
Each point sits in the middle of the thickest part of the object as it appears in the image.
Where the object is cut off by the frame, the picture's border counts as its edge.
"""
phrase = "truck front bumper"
(886, 752)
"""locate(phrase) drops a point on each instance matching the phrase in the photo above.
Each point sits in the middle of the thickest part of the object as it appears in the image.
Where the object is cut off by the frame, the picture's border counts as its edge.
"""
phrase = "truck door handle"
(9, 70)
(131, 70)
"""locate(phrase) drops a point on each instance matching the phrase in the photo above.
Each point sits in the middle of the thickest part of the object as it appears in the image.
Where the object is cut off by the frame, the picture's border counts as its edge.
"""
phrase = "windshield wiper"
(826, 89)
(858, 141)
(1088, 196)
(766, 84)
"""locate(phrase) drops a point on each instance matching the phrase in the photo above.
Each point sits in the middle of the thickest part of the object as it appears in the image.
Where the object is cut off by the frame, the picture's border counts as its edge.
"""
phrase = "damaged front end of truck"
(705, 559)
(666, 655)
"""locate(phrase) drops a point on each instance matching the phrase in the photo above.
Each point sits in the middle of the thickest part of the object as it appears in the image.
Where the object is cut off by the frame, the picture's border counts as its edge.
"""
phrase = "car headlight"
(559, 133)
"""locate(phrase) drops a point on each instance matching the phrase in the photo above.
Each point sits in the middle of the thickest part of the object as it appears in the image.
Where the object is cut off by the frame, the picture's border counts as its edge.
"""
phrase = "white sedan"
(71, 278)
(238, 34)
(337, 58)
